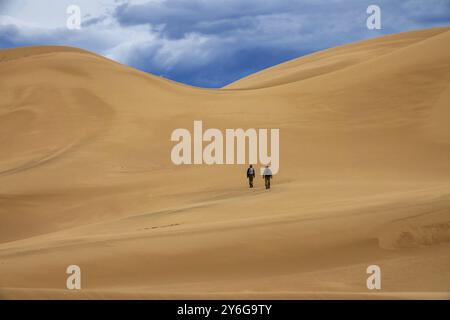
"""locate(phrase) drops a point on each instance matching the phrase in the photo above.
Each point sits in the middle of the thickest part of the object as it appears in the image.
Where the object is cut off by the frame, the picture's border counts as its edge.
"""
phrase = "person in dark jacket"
(250, 175)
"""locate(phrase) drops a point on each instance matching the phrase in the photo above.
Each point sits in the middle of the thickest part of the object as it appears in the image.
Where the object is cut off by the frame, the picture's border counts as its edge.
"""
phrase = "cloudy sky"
(209, 43)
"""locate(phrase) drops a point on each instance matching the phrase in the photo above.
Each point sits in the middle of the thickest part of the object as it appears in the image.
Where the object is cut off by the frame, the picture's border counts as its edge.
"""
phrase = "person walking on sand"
(267, 175)
(250, 175)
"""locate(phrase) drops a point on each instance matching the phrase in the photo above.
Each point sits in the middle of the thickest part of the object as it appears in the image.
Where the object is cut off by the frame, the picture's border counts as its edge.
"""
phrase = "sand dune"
(86, 177)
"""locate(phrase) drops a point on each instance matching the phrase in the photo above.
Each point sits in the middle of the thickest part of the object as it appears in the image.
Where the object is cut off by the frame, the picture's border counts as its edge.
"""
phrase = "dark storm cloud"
(4, 5)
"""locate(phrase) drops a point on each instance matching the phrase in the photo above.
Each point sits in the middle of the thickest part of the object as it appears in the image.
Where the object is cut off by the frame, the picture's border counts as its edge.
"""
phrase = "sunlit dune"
(86, 177)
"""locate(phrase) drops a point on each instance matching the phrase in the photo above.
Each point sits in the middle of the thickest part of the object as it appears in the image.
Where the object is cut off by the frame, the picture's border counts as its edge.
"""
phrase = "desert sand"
(86, 177)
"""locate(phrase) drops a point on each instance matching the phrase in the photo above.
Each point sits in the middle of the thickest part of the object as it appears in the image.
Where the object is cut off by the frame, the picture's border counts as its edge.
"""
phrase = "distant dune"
(86, 177)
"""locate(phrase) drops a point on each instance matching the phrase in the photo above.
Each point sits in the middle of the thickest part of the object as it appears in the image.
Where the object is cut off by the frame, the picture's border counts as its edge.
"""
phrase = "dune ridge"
(86, 177)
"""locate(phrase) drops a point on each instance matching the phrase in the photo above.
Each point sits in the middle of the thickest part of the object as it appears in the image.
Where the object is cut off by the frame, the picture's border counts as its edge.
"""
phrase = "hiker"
(267, 175)
(250, 175)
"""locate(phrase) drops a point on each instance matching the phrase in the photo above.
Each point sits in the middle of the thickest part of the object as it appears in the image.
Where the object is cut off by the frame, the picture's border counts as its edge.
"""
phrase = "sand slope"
(86, 177)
